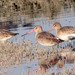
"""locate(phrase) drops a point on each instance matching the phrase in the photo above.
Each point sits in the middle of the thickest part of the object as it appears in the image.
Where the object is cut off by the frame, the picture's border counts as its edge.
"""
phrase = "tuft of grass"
(31, 8)
(17, 53)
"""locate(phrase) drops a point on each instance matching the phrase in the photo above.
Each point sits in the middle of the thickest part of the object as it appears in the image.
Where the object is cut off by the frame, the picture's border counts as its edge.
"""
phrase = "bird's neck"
(58, 30)
(38, 32)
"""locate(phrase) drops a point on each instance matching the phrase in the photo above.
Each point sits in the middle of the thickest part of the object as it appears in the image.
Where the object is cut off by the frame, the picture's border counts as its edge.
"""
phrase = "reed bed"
(17, 53)
(31, 8)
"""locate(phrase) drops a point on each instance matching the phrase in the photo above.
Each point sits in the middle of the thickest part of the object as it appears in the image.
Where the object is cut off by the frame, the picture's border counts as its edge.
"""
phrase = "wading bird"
(64, 33)
(5, 35)
(43, 37)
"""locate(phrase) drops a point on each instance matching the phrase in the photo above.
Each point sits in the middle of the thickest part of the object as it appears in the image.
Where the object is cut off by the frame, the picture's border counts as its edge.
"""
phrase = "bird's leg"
(69, 44)
(74, 43)
(51, 48)
(58, 46)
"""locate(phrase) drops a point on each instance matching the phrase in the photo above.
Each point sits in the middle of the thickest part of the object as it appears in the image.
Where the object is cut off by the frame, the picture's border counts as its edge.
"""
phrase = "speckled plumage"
(47, 39)
(64, 33)
(44, 38)
(6, 34)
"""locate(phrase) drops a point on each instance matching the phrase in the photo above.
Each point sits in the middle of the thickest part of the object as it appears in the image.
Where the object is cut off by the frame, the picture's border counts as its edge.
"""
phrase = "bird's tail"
(60, 41)
(14, 34)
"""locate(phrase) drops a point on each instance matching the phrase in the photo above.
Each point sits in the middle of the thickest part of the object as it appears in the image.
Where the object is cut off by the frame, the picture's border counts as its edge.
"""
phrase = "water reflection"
(59, 60)
(28, 25)
(7, 25)
(18, 58)
(16, 54)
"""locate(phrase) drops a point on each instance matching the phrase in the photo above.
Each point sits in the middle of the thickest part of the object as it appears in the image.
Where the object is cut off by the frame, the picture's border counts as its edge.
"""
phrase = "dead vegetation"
(31, 8)
(17, 53)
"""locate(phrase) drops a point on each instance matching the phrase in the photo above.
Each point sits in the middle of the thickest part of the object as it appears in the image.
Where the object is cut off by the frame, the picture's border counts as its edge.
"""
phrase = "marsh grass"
(30, 9)
(17, 53)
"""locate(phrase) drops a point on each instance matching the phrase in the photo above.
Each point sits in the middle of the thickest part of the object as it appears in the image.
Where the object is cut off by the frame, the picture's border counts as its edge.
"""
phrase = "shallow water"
(66, 17)
(20, 69)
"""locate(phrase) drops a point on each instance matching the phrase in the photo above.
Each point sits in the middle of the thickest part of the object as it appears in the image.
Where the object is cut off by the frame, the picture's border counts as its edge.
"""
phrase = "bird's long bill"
(29, 32)
(51, 29)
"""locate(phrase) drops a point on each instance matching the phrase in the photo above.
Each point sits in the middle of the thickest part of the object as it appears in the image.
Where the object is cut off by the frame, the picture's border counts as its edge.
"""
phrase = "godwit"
(6, 34)
(65, 33)
(45, 64)
(43, 37)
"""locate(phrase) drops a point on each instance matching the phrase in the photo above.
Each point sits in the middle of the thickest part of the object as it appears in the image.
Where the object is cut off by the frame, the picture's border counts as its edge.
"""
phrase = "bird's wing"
(68, 29)
(47, 36)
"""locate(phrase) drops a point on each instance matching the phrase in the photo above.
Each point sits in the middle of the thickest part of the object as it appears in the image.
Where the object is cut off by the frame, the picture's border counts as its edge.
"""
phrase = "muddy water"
(66, 17)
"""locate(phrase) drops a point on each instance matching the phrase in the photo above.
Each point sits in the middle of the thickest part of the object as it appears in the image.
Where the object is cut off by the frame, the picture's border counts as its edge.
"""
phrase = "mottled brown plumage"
(45, 38)
(6, 34)
(64, 33)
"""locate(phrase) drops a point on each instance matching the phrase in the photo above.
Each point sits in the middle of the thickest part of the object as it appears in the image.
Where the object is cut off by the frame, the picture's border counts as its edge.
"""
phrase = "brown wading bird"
(64, 33)
(5, 35)
(46, 64)
(43, 37)
(59, 60)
